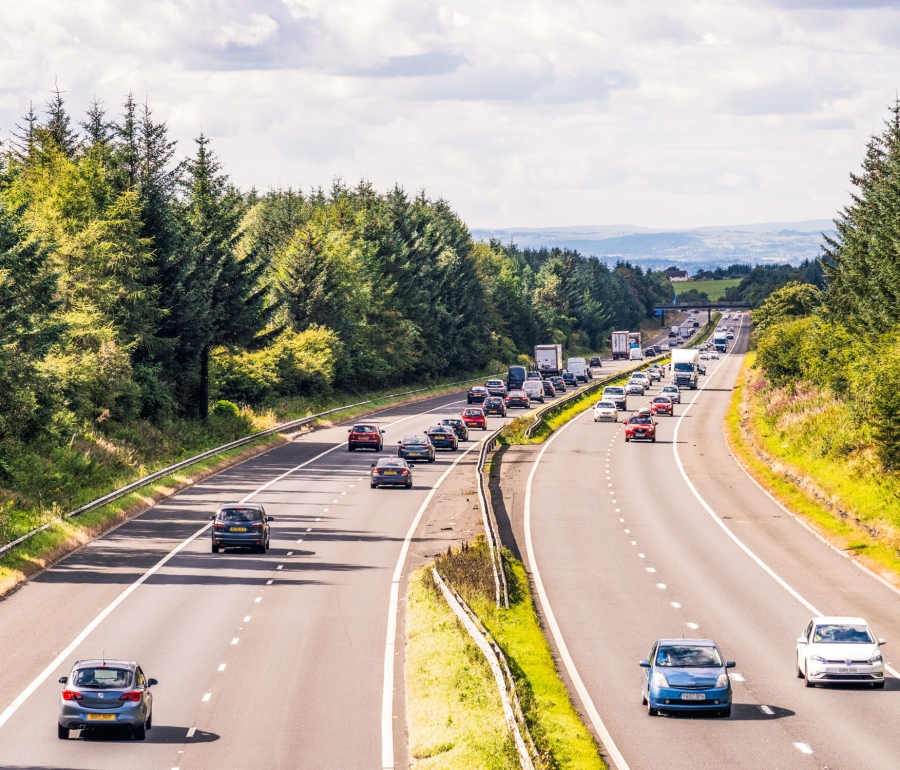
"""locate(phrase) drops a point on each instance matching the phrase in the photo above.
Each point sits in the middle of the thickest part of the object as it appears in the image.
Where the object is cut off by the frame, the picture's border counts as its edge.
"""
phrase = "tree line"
(139, 283)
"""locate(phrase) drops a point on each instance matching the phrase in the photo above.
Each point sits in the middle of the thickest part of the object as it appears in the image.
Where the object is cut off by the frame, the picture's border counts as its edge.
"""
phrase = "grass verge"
(454, 715)
(843, 498)
(560, 736)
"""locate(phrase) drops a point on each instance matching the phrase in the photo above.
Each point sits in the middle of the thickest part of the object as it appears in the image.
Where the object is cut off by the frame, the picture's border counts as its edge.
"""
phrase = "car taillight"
(256, 525)
(219, 525)
(71, 695)
(404, 472)
(134, 695)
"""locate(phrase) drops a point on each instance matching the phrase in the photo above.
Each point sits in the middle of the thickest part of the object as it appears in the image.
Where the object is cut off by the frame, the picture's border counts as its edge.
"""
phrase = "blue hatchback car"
(686, 675)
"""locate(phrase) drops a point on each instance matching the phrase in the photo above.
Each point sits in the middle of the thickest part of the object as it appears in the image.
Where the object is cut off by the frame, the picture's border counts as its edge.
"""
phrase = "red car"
(641, 426)
(474, 418)
(662, 405)
(365, 436)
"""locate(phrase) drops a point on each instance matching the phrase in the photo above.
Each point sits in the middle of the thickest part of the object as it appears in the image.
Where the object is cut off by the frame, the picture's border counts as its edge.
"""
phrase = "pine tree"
(58, 124)
(24, 141)
(98, 131)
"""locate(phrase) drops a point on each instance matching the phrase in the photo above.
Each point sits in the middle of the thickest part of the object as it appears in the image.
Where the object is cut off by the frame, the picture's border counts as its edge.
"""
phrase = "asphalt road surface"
(626, 552)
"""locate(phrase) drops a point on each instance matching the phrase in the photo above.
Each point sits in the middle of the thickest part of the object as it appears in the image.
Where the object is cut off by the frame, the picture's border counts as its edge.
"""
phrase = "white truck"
(619, 345)
(634, 347)
(720, 341)
(579, 367)
(673, 331)
(685, 368)
(548, 360)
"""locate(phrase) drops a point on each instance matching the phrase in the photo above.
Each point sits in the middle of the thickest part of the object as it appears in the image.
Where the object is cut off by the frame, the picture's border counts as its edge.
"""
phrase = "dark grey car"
(106, 694)
(416, 447)
(241, 525)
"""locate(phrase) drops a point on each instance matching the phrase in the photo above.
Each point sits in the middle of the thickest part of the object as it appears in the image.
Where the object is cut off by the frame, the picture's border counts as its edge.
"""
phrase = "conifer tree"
(58, 124)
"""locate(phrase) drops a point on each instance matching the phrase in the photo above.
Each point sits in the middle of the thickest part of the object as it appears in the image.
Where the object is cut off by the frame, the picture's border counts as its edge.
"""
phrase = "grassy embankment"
(806, 450)
(107, 457)
(446, 712)
(715, 290)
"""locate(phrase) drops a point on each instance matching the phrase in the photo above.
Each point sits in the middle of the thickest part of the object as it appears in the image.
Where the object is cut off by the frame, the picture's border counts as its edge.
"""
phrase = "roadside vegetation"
(562, 740)
(713, 290)
(821, 408)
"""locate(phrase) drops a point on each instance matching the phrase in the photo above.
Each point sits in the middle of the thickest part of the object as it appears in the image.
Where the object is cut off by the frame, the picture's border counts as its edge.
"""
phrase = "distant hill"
(767, 242)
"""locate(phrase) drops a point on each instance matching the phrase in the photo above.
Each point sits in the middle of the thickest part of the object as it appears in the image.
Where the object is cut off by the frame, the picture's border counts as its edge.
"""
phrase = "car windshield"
(102, 678)
(614, 392)
(684, 367)
(660, 400)
(414, 440)
(640, 419)
(688, 657)
(842, 634)
(364, 429)
(391, 462)
(605, 405)
(239, 514)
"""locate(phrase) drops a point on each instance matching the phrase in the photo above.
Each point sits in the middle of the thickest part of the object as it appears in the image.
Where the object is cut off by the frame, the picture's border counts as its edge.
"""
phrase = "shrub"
(226, 409)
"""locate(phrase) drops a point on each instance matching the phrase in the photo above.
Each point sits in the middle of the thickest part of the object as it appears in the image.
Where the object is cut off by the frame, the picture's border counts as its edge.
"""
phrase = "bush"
(226, 409)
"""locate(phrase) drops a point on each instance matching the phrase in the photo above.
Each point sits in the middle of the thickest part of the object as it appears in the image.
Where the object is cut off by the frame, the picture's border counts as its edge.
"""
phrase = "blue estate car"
(686, 675)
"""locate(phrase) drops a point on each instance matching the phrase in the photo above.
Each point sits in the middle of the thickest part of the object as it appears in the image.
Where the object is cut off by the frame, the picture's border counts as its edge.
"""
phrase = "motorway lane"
(302, 685)
(595, 549)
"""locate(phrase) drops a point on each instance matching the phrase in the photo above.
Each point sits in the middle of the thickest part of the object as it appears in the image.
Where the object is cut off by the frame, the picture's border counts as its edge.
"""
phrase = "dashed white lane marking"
(622, 520)
(319, 519)
(235, 640)
(222, 666)
(640, 555)
(676, 605)
(628, 531)
(803, 748)
(206, 697)
(309, 529)
(268, 582)
(300, 540)
(325, 511)
(191, 731)
(343, 493)
(352, 485)
(661, 585)
(334, 501)
(246, 618)
(650, 569)
(634, 542)
(737, 677)
(258, 599)
(693, 626)
(290, 553)
(768, 710)
(280, 566)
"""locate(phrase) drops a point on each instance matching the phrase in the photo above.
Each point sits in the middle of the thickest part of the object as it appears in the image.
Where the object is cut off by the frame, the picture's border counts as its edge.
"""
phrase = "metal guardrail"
(285, 427)
(492, 532)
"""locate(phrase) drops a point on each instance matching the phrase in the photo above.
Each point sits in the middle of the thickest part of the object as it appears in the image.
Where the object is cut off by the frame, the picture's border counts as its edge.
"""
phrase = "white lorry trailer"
(720, 341)
(548, 360)
(634, 347)
(619, 345)
(685, 368)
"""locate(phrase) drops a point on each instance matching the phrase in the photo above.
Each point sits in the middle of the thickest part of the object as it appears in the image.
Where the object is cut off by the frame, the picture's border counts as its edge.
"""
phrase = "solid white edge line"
(59, 659)
(607, 740)
(387, 698)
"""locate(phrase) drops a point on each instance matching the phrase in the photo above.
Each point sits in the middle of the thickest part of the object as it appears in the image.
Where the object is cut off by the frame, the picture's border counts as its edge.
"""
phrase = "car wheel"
(653, 440)
(215, 549)
(627, 439)
(799, 673)
(878, 685)
(652, 711)
(726, 713)
(806, 680)
(62, 732)
(431, 459)
(409, 484)
(140, 733)
(643, 698)
(373, 485)
(150, 721)
(349, 448)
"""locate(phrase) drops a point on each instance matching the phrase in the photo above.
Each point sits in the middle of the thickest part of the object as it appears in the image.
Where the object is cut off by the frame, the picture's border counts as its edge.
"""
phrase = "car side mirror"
(399, 442)
(151, 682)
(382, 433)
(801, 640)
(372, 465)
(882, 641)
(655, 423)
(63, 679)
(730, 664)
(212, 516)
(644, 664)
(270, 518)
(349, 430)
(410, 465)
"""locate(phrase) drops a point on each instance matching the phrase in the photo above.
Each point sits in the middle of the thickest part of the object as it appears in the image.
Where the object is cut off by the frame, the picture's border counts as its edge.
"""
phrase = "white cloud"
(552, 112)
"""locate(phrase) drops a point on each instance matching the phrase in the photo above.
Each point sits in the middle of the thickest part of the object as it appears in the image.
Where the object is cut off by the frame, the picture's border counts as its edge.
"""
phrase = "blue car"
(686, 675)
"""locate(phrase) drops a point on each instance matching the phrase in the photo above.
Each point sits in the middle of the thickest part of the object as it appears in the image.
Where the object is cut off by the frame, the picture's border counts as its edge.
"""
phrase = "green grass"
(715, 290)
(453, 710)
(561, 738)
(818, 463)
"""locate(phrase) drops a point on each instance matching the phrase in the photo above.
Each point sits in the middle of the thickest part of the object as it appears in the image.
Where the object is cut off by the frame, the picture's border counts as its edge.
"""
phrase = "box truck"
(579, 367)
(720, 341)
(634, 347)
(619, 345)
(548, 360)
(685, 366)
(673, 332)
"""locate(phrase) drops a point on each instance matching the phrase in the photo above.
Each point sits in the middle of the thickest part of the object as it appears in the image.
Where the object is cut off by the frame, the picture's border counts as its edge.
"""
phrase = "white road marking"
(387, 698)
(334, 501)
(650, 569)
(768, 710)
(235, 640)
(300, 540)
(206, 697)
(247, 619)
(191, 731)
(676, 605)
(803, 748)
(343, 493)
(641, 556)
(320, 518)
(737, 677)
(268, 582)
(222, 666)
(309, 529)
(628, 531)
(617, 510)
(693, 626)
(290, 553)
(258, 599)
(280, 566)
(634, 542)
(661, 585)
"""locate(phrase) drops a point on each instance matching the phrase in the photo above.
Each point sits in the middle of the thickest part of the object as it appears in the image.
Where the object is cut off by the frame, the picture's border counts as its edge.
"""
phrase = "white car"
(704, 356)
(606, 410)
(655, 373)
(642, 376)
(635, 387)
(673, 392)
(839, 650)
(714, 354)
(534, 389)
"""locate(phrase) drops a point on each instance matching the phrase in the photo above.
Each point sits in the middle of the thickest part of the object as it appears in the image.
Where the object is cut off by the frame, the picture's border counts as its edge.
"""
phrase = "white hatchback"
(840, 650)
(606, 410)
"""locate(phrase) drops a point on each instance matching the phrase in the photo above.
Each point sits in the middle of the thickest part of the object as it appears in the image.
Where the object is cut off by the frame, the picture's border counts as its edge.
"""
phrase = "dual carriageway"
(294, 659)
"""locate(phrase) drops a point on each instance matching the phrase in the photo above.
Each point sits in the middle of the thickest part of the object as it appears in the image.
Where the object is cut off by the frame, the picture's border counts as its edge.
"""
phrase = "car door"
(646, 673)
(803, 649)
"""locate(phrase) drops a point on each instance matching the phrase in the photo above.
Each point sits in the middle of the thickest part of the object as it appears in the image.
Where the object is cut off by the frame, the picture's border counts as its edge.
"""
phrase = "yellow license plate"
(237, 529)
(390, 473)
(101, 717)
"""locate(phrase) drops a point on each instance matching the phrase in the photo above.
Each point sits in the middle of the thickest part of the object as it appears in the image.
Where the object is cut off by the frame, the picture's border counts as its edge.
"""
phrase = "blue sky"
(527, 113)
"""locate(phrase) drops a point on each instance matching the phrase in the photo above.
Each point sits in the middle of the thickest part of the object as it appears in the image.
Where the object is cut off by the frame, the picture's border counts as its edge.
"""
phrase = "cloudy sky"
(519, 112)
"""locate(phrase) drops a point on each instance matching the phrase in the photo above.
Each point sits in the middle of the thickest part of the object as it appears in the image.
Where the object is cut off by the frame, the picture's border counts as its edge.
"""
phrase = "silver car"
(635, 387)
(106, 694)
(673, 392)
(606, 410)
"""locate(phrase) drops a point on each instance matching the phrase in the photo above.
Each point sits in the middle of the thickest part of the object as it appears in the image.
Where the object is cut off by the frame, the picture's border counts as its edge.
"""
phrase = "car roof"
(415, 436)
(695, 642)
(838, 619)
(238, 506)
(110, 662)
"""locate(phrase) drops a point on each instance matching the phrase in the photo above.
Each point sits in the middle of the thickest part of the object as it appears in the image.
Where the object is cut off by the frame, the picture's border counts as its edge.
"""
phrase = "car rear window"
(364, 429)
(414, 440)
(102, 678)
(473, 412)
(606, 405)
(391, 462)
(614, 392)
(239, 514)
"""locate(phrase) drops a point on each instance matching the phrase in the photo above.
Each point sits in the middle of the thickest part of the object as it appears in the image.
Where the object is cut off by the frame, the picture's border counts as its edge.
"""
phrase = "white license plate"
(693, 696)
(849, 671)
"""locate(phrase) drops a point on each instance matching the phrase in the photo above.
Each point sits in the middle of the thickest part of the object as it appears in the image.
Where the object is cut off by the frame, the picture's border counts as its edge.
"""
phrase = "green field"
(714, 289)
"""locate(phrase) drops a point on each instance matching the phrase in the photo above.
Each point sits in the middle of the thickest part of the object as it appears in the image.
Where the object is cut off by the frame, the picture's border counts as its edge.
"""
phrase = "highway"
(633, 542)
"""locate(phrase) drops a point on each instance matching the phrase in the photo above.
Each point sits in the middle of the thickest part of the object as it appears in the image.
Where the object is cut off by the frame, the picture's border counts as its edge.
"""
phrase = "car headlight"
(659, 679)
(722, 681)
(876, 659)
(818, 659)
